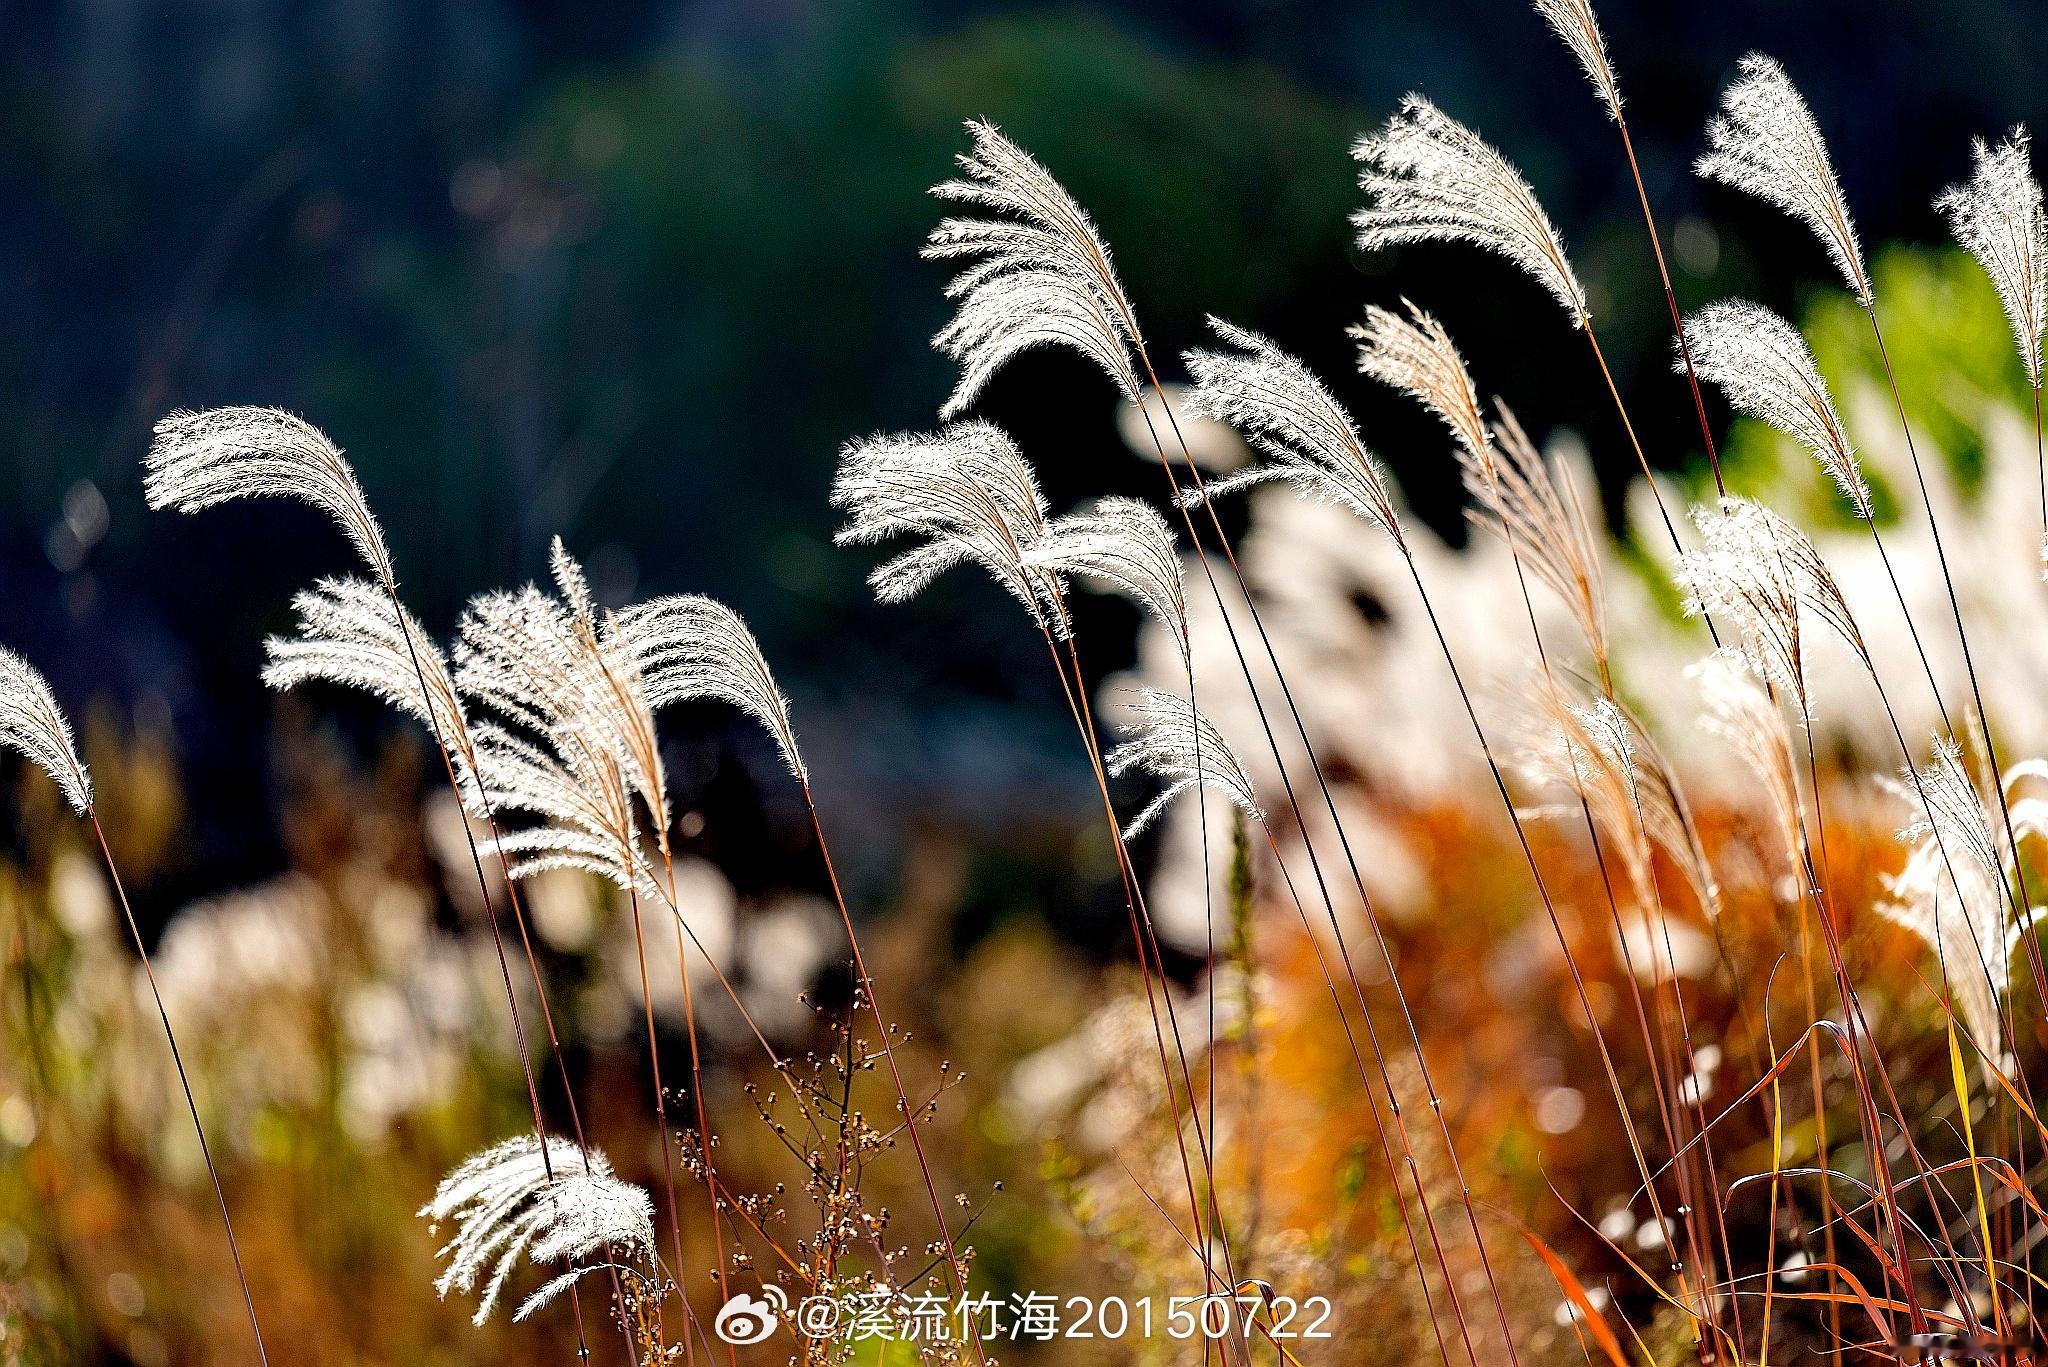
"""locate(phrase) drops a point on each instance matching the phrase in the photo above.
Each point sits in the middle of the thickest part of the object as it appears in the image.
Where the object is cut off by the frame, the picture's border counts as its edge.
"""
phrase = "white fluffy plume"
(350, 634)
(687, 647)
(504, 1205)
(969, 492)
(1954, 889)
(1429, 178)
(1169, 739)
(1767, 371)
(1288, 414)
(1741, 713)
(33, 725)
(579, 748)
(196, 460)
(1574, 21)
(1997, 216)
(1756, 569)
(1038, 273)
(1416, 356)
(1534, 506)
(1125, 544)
(1765, 142)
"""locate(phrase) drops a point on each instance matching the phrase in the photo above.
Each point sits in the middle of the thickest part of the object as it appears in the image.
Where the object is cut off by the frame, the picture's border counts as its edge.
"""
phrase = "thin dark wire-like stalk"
(2034, 958)
(1141, 920)
(1528, 856)
(957, 1272)
(184, 1081)
(1692, 379)
(498, 939)
(1322, 783)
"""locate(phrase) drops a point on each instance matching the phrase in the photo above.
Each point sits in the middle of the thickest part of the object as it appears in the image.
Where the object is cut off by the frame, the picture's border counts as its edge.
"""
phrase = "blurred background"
(631, 273)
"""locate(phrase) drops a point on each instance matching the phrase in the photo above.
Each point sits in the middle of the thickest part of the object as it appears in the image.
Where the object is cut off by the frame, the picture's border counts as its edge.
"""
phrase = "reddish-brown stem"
(184, 1081)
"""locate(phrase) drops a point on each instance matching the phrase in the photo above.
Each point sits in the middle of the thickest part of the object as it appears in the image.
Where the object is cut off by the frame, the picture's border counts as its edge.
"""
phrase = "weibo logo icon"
(749, 1319)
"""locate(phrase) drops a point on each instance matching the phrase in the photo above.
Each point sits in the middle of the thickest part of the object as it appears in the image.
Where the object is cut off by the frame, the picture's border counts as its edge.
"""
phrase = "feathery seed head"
(1037, 272)
(32, 725)
(1997, 216)
(579, 745)
(1952, 892)
(1756, 569)
(967, 490)
(350, 634)
(1740, 712)
(196, 460)
(1429, 178)
(1765, 142)
(687, 647)
(1127, 545)
(1168, 738)
(1416, 356)
(1288, 414)
(504, 1203)
(1533, 505)
(1767, 371)
(1573, 21)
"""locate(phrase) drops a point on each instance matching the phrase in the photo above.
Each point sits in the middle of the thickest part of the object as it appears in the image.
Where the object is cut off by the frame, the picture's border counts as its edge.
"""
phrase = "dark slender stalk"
(184, 1081)
(955, 1268)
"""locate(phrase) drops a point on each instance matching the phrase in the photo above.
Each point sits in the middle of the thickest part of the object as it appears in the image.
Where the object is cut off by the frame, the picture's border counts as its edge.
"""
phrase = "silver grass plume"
(1039, 273)
(1535, 502)
(1767, 371)
(1288, 414)
(504, 1204)
(350, 634)
(1600, 753)
(1765, 142)
(967, 490)
(1416, 356)
(196, 460)
(1168, 738)
(1952, 893)
(610, 676)
(32, 725)
(1997, 216)
(1126, 544)
(563, 755)
(1574, 21)
(1429, 178)
(1762, 573)
(688, 647)
(1741, 713)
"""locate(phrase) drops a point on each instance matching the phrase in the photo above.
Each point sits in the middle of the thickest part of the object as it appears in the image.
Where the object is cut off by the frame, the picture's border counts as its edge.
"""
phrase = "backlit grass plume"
(1166, 737)
(1767, 371)
(1953, 892)
(1574, 21)
(1533, 505)
(1037, 272)
(1429, 178)
(1416, 356)
(351, 633)
(1766, 576)
(505, 1204)
(1997, 216)
(1742, 714)
(1125, 544)
(1766, 143)
(965, 489)
(687, 648)
(197, 460)
(562, 758)
(32, 725)
(1290, 416)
